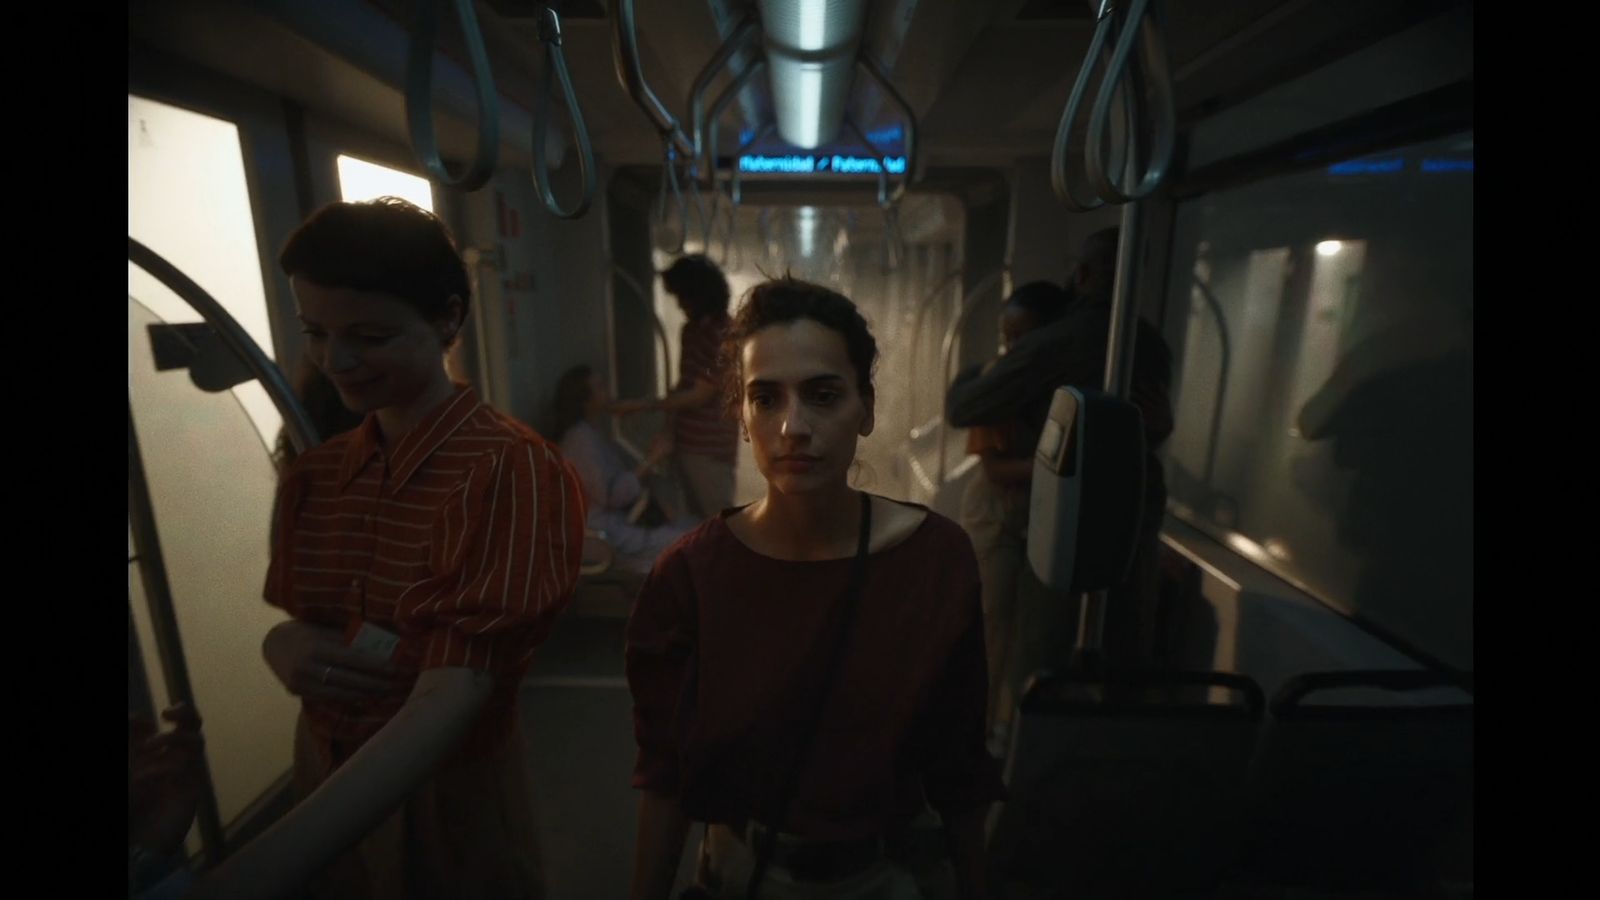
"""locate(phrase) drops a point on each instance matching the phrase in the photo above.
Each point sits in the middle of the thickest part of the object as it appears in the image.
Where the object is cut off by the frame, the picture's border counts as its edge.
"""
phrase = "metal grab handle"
(1058, 152)
(883, 163)
(669, 177)
(625, 53)
(698, 203)
(718, 106)
(719, 202)
(950, 343)
(893, 249)
(714, 216)
(735, 191)
(555, 61)
(1116, 82)
(735, 196)
(742, 33)
(875, 70)
(296, 422)
(1153, 58)
(710, 149)
(709, 218)
(419, 98)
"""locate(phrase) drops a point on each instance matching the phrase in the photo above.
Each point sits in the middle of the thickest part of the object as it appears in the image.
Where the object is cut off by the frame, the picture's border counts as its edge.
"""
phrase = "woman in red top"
(725, 640)
(422, 557)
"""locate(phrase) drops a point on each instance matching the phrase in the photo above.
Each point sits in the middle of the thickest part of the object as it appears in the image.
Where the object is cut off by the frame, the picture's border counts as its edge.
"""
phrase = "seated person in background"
(612, 487)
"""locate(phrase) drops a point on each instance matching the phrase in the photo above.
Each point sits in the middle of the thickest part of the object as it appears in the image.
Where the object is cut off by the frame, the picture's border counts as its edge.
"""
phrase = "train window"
(1323, 321)
(188, 201)
(201, 454)
(361, 180)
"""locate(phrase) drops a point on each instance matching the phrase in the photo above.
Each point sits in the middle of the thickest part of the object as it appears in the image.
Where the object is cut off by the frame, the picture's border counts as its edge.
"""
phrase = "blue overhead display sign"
(891, 135)
(833, 162)
(1391, 166)
(883, 139)
(1367, 167)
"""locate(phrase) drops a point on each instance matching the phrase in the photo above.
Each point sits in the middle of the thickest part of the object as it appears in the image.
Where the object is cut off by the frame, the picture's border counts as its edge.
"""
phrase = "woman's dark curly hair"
(789, 299)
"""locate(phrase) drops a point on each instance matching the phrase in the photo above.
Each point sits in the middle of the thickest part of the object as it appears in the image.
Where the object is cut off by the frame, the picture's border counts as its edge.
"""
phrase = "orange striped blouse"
(463, 538)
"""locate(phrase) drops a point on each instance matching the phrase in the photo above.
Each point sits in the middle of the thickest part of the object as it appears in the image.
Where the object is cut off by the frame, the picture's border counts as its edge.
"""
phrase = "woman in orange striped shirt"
(422, 558)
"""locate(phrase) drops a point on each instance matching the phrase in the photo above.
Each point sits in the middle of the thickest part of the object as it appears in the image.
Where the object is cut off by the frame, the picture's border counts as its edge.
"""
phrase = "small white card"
(377, 642)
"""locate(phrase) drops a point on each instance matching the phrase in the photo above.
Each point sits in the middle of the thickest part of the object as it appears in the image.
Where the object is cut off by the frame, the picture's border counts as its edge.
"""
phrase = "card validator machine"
(1088, 491)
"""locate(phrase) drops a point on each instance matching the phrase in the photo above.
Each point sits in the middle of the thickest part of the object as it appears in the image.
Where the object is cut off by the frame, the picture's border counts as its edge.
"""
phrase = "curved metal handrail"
(747, 28)
(419, 90)
(883, 161)
(1137, 22)
(950, 333)
(1153, 59)
(719, 105)
(625, 53)
(735, 190)
(1069, 113)
(709, 224)
(296, 422)
(141, 514)
(632, 283)
(893, 242)
(697, 201)
(729, 246)
(1118, 82)
(874, 69)
(710, 149)
(555, 62)
(735, 196)
(669, 178)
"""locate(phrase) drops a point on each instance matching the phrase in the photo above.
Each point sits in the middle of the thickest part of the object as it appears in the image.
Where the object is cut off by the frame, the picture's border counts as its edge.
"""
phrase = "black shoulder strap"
(858, 580)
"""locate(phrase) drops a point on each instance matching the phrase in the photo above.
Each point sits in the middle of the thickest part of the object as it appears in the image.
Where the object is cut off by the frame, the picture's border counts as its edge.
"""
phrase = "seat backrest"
(1363, 795)
(1131, 785)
